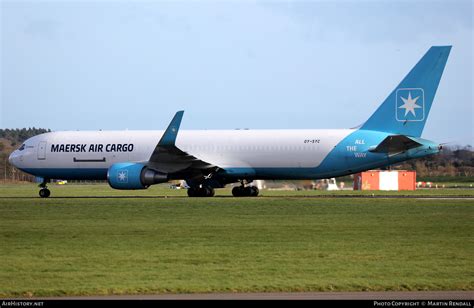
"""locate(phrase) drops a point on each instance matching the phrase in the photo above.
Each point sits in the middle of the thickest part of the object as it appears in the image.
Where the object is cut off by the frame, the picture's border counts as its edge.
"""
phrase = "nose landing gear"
(44, 191)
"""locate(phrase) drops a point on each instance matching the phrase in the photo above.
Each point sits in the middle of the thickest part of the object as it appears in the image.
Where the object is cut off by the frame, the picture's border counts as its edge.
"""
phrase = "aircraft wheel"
(254, 191)
(247, 191)
(241, 191)
(210, 192)
(201, 192)
(206, 191)
(238, 191)
(44, 193)
(192, 192)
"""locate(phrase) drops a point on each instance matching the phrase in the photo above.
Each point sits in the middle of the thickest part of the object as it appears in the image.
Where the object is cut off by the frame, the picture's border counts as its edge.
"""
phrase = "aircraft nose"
(11, 159)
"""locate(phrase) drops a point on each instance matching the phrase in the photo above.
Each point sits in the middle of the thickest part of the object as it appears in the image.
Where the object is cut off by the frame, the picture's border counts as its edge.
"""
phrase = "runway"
(323, 196)
(389, 295)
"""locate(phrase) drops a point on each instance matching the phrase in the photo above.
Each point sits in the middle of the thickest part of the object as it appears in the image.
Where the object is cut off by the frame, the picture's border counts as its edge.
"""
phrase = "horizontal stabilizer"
(395, 144)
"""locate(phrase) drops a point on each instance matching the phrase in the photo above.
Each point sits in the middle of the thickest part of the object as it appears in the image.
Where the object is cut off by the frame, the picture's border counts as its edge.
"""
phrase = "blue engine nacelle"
(133, 176)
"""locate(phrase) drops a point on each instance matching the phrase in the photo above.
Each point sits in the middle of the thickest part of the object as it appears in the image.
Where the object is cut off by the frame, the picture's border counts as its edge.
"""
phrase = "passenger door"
(42, 150)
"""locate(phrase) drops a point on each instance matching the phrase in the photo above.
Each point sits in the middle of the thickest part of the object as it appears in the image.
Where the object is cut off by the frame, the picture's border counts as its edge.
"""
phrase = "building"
(385, 180)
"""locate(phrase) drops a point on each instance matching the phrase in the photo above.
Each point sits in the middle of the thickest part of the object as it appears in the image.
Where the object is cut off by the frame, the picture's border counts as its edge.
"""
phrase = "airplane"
(210, 159)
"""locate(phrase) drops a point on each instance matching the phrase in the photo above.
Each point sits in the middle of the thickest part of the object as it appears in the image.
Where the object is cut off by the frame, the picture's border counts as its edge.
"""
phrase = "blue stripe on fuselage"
(69, 173)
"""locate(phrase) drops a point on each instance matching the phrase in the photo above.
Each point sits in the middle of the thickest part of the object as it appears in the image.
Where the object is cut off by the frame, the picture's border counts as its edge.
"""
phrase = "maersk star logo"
(122, 176)
(410, 105)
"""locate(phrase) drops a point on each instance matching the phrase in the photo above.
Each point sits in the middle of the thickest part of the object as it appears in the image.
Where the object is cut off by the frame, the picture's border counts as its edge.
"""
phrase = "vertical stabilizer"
(406, 109)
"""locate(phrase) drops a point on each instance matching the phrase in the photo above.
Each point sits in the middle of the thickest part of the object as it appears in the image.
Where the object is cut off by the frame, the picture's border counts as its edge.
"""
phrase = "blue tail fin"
(406, 109)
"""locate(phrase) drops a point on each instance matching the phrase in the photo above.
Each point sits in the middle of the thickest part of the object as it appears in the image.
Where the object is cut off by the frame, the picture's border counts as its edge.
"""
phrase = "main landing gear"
(204, 191)
(44, 191)
(243, 191)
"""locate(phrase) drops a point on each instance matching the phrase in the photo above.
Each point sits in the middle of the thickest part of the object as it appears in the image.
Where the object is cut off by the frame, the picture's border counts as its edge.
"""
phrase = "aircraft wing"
(167, 158)
(395, 144)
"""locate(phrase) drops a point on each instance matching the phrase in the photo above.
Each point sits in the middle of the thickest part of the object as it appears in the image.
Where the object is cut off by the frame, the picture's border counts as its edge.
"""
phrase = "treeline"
(451, 162)
(18, 135)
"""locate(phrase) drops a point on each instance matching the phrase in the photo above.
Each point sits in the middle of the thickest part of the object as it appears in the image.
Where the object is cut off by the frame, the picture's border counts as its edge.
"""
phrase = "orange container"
(385, 180)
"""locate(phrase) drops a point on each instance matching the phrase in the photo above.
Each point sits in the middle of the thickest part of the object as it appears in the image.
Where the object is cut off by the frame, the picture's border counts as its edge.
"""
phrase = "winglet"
(169, 137)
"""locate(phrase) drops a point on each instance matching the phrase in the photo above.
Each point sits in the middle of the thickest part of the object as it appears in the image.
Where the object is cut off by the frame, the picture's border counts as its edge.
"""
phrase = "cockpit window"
(22, 147)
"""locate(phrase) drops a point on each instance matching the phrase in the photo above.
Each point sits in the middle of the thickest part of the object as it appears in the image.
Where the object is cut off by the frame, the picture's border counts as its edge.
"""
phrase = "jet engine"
(133, 176)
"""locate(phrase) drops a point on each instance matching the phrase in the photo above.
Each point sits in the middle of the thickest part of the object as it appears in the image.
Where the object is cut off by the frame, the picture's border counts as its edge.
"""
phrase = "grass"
(125, 244)
(163, 190)
(449, 179)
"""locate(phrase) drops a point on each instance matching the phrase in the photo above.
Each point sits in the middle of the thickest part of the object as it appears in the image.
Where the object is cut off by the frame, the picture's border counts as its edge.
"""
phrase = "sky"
(111, 65)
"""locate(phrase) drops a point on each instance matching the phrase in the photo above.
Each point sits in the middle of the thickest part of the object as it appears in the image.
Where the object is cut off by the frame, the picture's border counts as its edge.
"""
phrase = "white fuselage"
(223, 148)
